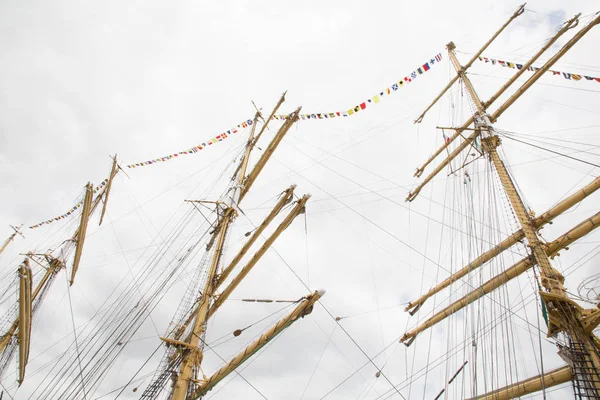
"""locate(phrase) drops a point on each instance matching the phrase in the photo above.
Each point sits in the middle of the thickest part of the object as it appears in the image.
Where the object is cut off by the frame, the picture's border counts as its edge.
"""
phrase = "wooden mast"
(220, 278)
(246, 182)
(192, 353)
(193, 356)
(25, 302)
(89, 206)
(79, 237)
(564, 315)
(113, 173)
(53, 267)
(298, 208)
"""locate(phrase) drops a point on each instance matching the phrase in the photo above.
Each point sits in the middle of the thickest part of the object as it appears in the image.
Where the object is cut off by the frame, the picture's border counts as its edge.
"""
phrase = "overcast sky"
(82, 81)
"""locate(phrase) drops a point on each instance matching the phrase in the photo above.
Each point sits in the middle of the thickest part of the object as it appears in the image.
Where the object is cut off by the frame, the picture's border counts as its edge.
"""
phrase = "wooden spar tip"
(11, 238)
(79, 237)
(17, 229)
(451, 47)
(119, 166)
(520, 10)
(412, 308)
(113, 172)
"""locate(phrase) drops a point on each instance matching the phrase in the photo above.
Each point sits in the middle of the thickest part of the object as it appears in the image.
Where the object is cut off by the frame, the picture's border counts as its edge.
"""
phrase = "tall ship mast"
(185, 341)
(564, 317)
(180, 373)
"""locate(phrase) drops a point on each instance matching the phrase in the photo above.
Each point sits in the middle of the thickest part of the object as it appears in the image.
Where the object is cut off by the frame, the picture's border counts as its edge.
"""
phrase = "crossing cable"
(538, 139)
(376, 225)
(138, 371)
(509, 311)
(305, 285)
(397, 186)
(75, 336)
(552, 151)
(334, 319)
(238, 374)
(455, 350)
(361, 367)
(318, 362)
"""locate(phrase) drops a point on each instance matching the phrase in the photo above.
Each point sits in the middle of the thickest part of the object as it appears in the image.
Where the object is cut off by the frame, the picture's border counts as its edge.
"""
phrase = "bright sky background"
(82, 81)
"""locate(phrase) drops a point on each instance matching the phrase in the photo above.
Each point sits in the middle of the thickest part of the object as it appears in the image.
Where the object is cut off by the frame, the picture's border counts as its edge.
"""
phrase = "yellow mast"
(25, 298)
(564, 315)
(54, 265)
(220, 278)
(89, 206)
(193, 356)
(79, 237)
(113, 173)
(209, 301)
(220, 299)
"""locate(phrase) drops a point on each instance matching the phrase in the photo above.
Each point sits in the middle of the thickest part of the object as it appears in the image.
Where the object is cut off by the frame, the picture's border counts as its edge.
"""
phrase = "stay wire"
(360, 368)
(238, 374)
(217, 342)
(370, 221)
(396, 185)
(482, 330)
(75, 336)
(552, 151)
(138, 371)
(336, 198)
(334, 319)
(318, 362)
(95, 336)
(539, 140)
(6, 391)
(350, 208)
